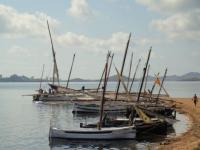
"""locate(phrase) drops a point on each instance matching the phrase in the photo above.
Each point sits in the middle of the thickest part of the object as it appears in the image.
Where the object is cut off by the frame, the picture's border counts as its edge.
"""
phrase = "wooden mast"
(157, 76)
(70, 70)
(110, 66)
(103, 96)
(123, 63)
(151, 92)
(144, 73)
(55, 67)
(108, 55)
(130, 68)
(41, 76)
(161, 85)
(134, 75)
(101, 79)
(147, 74)
(141, 114)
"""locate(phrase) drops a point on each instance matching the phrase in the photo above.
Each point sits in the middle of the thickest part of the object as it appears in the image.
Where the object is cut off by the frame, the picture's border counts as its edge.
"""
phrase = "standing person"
(195, 99)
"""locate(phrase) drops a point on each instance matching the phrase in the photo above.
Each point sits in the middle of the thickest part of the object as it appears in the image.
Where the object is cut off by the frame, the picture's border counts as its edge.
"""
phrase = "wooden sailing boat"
(145, 123)
(142, 124)
(57, 87)
(55, 77)
(113, 133)
(55, 66)
(93, 108)
(62, 89)
(58, 92)
(99, 133)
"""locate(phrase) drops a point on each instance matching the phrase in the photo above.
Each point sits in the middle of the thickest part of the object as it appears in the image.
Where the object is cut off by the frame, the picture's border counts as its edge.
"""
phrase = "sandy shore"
(190, 139)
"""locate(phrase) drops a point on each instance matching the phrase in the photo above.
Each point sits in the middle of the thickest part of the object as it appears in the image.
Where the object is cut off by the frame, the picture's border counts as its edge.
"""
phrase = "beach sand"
(191, 139)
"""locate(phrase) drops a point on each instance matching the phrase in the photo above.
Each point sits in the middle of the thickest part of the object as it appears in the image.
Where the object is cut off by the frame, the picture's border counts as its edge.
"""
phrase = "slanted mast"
(144, 74)
(70, 70)
(133, 79)
(55, 67)
(123, 63)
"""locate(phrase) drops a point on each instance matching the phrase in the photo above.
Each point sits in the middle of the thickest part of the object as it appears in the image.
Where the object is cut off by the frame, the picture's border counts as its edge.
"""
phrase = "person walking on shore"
(195, 99)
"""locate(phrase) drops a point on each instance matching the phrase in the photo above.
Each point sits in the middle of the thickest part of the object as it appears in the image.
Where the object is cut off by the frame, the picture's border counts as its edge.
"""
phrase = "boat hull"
(156, 127)
(93, 108)
(56, 98)
(62, 97)
(104, 134)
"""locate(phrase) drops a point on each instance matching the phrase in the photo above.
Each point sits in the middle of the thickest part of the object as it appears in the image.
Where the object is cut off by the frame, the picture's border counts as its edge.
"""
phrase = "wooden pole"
(151, 92)
(101, 79)
(55, 67)
(103, 96)
(165, 91)
(110, 66)
(161, 85)
(134, 75)
(144, 73)
(157, 76)
(41, 76)
(70, 70)
(145, 85)
(123, 63)
(130, 68)
(108, 55)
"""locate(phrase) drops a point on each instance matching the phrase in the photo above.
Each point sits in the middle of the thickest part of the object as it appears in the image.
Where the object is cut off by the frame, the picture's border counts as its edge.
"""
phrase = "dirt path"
(190, 139)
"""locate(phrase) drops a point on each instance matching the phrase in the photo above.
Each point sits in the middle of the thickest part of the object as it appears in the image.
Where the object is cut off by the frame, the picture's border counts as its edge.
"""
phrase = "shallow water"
(25, 125)
(181, 126)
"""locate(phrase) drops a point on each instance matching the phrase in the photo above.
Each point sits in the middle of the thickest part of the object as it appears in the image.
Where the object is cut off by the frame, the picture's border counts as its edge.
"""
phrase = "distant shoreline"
(192, 76)
(92, 81)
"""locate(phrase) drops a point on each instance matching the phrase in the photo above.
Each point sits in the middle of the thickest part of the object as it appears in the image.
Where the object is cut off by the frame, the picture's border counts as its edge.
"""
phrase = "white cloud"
(80, 9)
(180, 25)
(115, 43)
(170, 6)
(19, 51)
(146, 41)
(181, 20)
(16, 24)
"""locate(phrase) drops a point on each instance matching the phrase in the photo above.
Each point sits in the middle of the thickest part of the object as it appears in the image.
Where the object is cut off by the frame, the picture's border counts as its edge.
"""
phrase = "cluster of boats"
(140, 112)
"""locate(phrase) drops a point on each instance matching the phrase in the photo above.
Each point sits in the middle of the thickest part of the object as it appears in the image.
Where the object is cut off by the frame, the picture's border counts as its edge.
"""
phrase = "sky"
(90, 28)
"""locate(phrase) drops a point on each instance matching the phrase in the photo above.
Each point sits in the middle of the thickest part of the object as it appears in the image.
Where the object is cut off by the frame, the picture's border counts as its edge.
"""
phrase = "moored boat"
(128, 132)
(62, 97)
(95, 108)
(156, 126)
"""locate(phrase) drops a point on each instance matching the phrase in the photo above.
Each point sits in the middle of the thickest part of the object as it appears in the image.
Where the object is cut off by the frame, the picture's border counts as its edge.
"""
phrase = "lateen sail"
(55, 67)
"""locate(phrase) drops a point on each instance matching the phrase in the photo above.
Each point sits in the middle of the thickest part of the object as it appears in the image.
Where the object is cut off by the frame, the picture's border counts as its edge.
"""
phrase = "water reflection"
(62, 117)
(25, 125)
(92, 144)
(142, 141)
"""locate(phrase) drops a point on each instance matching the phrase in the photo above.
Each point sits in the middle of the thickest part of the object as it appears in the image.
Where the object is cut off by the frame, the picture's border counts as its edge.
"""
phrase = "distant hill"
(17, 78)
(115, 78)
(191, 76)
(81, 80)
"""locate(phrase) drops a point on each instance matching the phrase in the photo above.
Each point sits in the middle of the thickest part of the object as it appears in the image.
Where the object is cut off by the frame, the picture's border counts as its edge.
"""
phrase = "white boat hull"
(95, 134)
(64, 97)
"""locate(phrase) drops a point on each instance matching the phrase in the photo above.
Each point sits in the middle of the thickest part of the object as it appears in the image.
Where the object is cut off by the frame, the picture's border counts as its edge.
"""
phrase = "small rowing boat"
(128, 132)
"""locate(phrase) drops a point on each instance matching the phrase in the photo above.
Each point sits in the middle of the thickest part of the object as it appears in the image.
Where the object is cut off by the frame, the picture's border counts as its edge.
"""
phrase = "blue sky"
(90, 28)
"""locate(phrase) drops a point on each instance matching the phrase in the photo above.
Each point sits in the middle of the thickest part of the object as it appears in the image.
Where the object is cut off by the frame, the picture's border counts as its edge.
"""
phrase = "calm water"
(25, 125)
